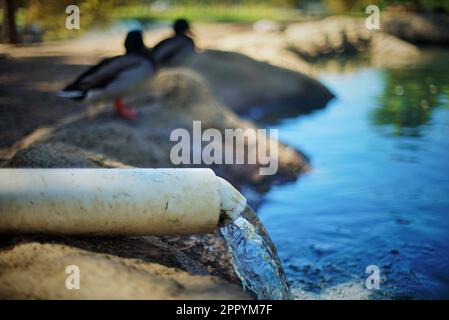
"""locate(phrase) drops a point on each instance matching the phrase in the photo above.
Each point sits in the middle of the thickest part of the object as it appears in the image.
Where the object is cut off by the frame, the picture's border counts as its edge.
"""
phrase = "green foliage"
(197, 12)
(50, 15)
(422, 5)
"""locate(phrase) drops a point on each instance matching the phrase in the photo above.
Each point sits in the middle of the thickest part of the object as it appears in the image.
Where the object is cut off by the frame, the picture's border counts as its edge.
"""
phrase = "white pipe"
(232, 202)
(115, 201)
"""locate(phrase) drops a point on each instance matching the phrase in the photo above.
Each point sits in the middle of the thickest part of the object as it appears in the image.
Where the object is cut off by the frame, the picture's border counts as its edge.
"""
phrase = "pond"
(378, 193)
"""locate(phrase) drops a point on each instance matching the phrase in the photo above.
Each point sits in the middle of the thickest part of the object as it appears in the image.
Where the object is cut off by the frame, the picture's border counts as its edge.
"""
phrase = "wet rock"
(38, 271)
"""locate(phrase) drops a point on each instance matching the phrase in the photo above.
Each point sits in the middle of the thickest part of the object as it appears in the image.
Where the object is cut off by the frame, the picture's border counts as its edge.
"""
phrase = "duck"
(115, 78)
(170, 50)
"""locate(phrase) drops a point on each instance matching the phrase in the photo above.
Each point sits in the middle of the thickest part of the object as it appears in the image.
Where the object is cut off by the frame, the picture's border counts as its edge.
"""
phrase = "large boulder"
(270, 48)
(245, 84)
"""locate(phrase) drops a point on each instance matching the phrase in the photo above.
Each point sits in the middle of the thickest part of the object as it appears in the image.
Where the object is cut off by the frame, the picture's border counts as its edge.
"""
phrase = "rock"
(391, 51)
(266, 47)
(328, 37)
(244, 83)
(267, 26)
(417, 28)
(38, 271)
(59, 155)
(344, 35)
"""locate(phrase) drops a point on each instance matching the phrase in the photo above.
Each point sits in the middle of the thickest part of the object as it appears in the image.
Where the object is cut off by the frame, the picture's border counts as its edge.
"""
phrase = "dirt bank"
(38, 271)
(27, 98)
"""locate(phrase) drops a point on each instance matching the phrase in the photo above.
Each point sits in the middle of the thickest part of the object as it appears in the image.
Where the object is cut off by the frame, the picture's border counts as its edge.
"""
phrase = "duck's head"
(181, 26)
(134, 41)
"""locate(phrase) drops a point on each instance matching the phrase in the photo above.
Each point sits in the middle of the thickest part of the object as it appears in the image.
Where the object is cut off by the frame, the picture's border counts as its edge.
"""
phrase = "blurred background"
(34, 20)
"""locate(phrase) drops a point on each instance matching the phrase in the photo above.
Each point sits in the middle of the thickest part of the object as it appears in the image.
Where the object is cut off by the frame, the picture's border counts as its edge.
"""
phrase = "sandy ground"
(38, 271)
(27, 98)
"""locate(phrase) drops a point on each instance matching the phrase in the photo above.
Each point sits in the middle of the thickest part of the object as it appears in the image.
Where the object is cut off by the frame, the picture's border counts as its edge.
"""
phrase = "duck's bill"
(72, 94)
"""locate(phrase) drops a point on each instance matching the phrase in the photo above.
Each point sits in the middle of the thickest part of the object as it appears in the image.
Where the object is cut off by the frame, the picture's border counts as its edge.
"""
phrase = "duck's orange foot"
(124, 111)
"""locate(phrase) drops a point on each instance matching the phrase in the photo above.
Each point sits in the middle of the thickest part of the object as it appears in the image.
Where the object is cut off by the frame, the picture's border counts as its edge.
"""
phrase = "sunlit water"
(379, 190)
(255, 258)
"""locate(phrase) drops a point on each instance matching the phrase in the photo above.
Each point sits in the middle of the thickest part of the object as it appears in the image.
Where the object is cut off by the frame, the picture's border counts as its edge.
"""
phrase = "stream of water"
(255, 258)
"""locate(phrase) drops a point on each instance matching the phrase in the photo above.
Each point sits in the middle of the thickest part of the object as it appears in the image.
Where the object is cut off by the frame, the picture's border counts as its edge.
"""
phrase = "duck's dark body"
(77, 85)
(115, 78)
(112, 78)
(170, 50)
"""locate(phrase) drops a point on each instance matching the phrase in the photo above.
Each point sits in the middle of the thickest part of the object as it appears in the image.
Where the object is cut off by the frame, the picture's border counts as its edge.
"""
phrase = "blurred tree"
(50, 15)
(9, 21)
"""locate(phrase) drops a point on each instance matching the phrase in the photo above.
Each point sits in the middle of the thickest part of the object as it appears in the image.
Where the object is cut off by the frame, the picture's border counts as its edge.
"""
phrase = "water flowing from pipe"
(254, 257)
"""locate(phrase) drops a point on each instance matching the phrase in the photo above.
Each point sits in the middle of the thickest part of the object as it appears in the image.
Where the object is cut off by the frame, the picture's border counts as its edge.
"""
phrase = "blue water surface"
(378, 193)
